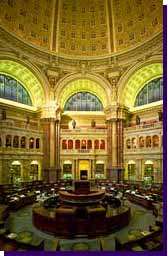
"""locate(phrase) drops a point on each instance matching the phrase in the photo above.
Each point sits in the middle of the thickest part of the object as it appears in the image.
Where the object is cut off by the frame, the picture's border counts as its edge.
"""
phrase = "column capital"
(111, 120)
(116, 112)
(50, 110)
(48, 119)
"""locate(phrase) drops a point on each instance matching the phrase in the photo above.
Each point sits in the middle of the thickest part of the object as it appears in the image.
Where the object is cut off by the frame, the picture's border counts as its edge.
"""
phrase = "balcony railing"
(83, 151)
(144, 150)
(84, 130)
(19, 150)
(18, 124)
(144, 126)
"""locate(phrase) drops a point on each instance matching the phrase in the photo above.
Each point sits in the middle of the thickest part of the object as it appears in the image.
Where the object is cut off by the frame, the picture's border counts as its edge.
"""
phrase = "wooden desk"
(146, 203)
(123, 244)
(27, 240)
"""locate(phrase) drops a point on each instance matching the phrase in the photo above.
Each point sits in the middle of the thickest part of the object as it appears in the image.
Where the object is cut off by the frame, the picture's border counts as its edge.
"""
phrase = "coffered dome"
(82, 27)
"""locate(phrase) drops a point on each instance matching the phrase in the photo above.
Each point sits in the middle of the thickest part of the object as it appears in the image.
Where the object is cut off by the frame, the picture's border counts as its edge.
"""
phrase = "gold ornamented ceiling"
(82, 27)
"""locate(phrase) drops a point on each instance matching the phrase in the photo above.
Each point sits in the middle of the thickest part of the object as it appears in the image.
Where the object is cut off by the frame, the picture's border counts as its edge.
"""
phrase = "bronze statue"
(73, 124)
(160, 116)
(138, 120)
(93, 123)
(3, 114)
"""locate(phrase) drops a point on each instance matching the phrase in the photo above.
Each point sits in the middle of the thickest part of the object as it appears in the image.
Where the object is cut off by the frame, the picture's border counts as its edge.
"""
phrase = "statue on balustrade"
(160, 116)
(28, 120)
(138, 120)
(93, 123)
(73, 124)
(3, 114)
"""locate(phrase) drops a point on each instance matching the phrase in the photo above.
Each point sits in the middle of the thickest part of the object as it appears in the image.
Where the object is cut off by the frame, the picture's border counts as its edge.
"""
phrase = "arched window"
(83, 101)
(128, 143)
(83, 144)
(155, 141)
(141, 142)
(102, 144)
(89, 144)
(11, 89)
(23, 142)
(96, 144)
(37, 143)
(16, 142)
(64, 144)
(134, 142)
(151, 92)
(148, 141)
(70, 144)
(8, 141)
(77, 144)
(31, 143)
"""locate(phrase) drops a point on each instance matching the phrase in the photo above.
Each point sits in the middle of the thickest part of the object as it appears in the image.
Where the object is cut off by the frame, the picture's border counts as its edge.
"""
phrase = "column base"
(51, 174)
(115, 175)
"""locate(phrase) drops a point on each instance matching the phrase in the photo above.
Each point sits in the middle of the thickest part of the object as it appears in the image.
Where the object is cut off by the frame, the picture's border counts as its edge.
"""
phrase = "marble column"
(57, 148)
(92, 169)
(109, 146)
(74, 171)
(115, 150)
(77, 169)
(52, 143)
(120, 149)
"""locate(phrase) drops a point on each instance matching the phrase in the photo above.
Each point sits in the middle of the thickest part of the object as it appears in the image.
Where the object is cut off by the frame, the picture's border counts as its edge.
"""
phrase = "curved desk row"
(65, 221)
(140, 200)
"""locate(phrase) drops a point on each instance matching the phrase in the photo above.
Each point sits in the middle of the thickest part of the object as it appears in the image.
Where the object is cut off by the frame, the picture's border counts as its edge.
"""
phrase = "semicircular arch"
(28, 78)
(135, 80)
(76, 83)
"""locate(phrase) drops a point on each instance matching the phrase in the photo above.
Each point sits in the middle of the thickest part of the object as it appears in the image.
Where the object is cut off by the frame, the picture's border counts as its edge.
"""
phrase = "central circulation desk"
(80, 212)
(66, 222)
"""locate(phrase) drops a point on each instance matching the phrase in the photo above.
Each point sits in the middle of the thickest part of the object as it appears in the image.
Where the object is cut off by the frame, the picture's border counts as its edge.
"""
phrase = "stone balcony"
(17, 151)
(17, 124)
(101, 131)
(145, 150)
(144, 127)
(84, 152)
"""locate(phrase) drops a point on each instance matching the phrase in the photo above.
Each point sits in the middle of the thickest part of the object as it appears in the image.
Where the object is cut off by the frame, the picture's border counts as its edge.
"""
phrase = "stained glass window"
(151, 92)
(83, 101)
(11, 89)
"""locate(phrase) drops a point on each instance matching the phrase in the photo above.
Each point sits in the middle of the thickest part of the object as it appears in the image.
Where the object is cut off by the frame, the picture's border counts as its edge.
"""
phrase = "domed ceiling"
(82, 27)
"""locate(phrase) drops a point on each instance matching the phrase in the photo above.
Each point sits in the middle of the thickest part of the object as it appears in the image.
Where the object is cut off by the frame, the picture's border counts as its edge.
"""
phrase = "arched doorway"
(16, 172)
(67, 169)
(99, 170)
(34, 170)
(131, 170)
(148, 172)
(83, 169)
